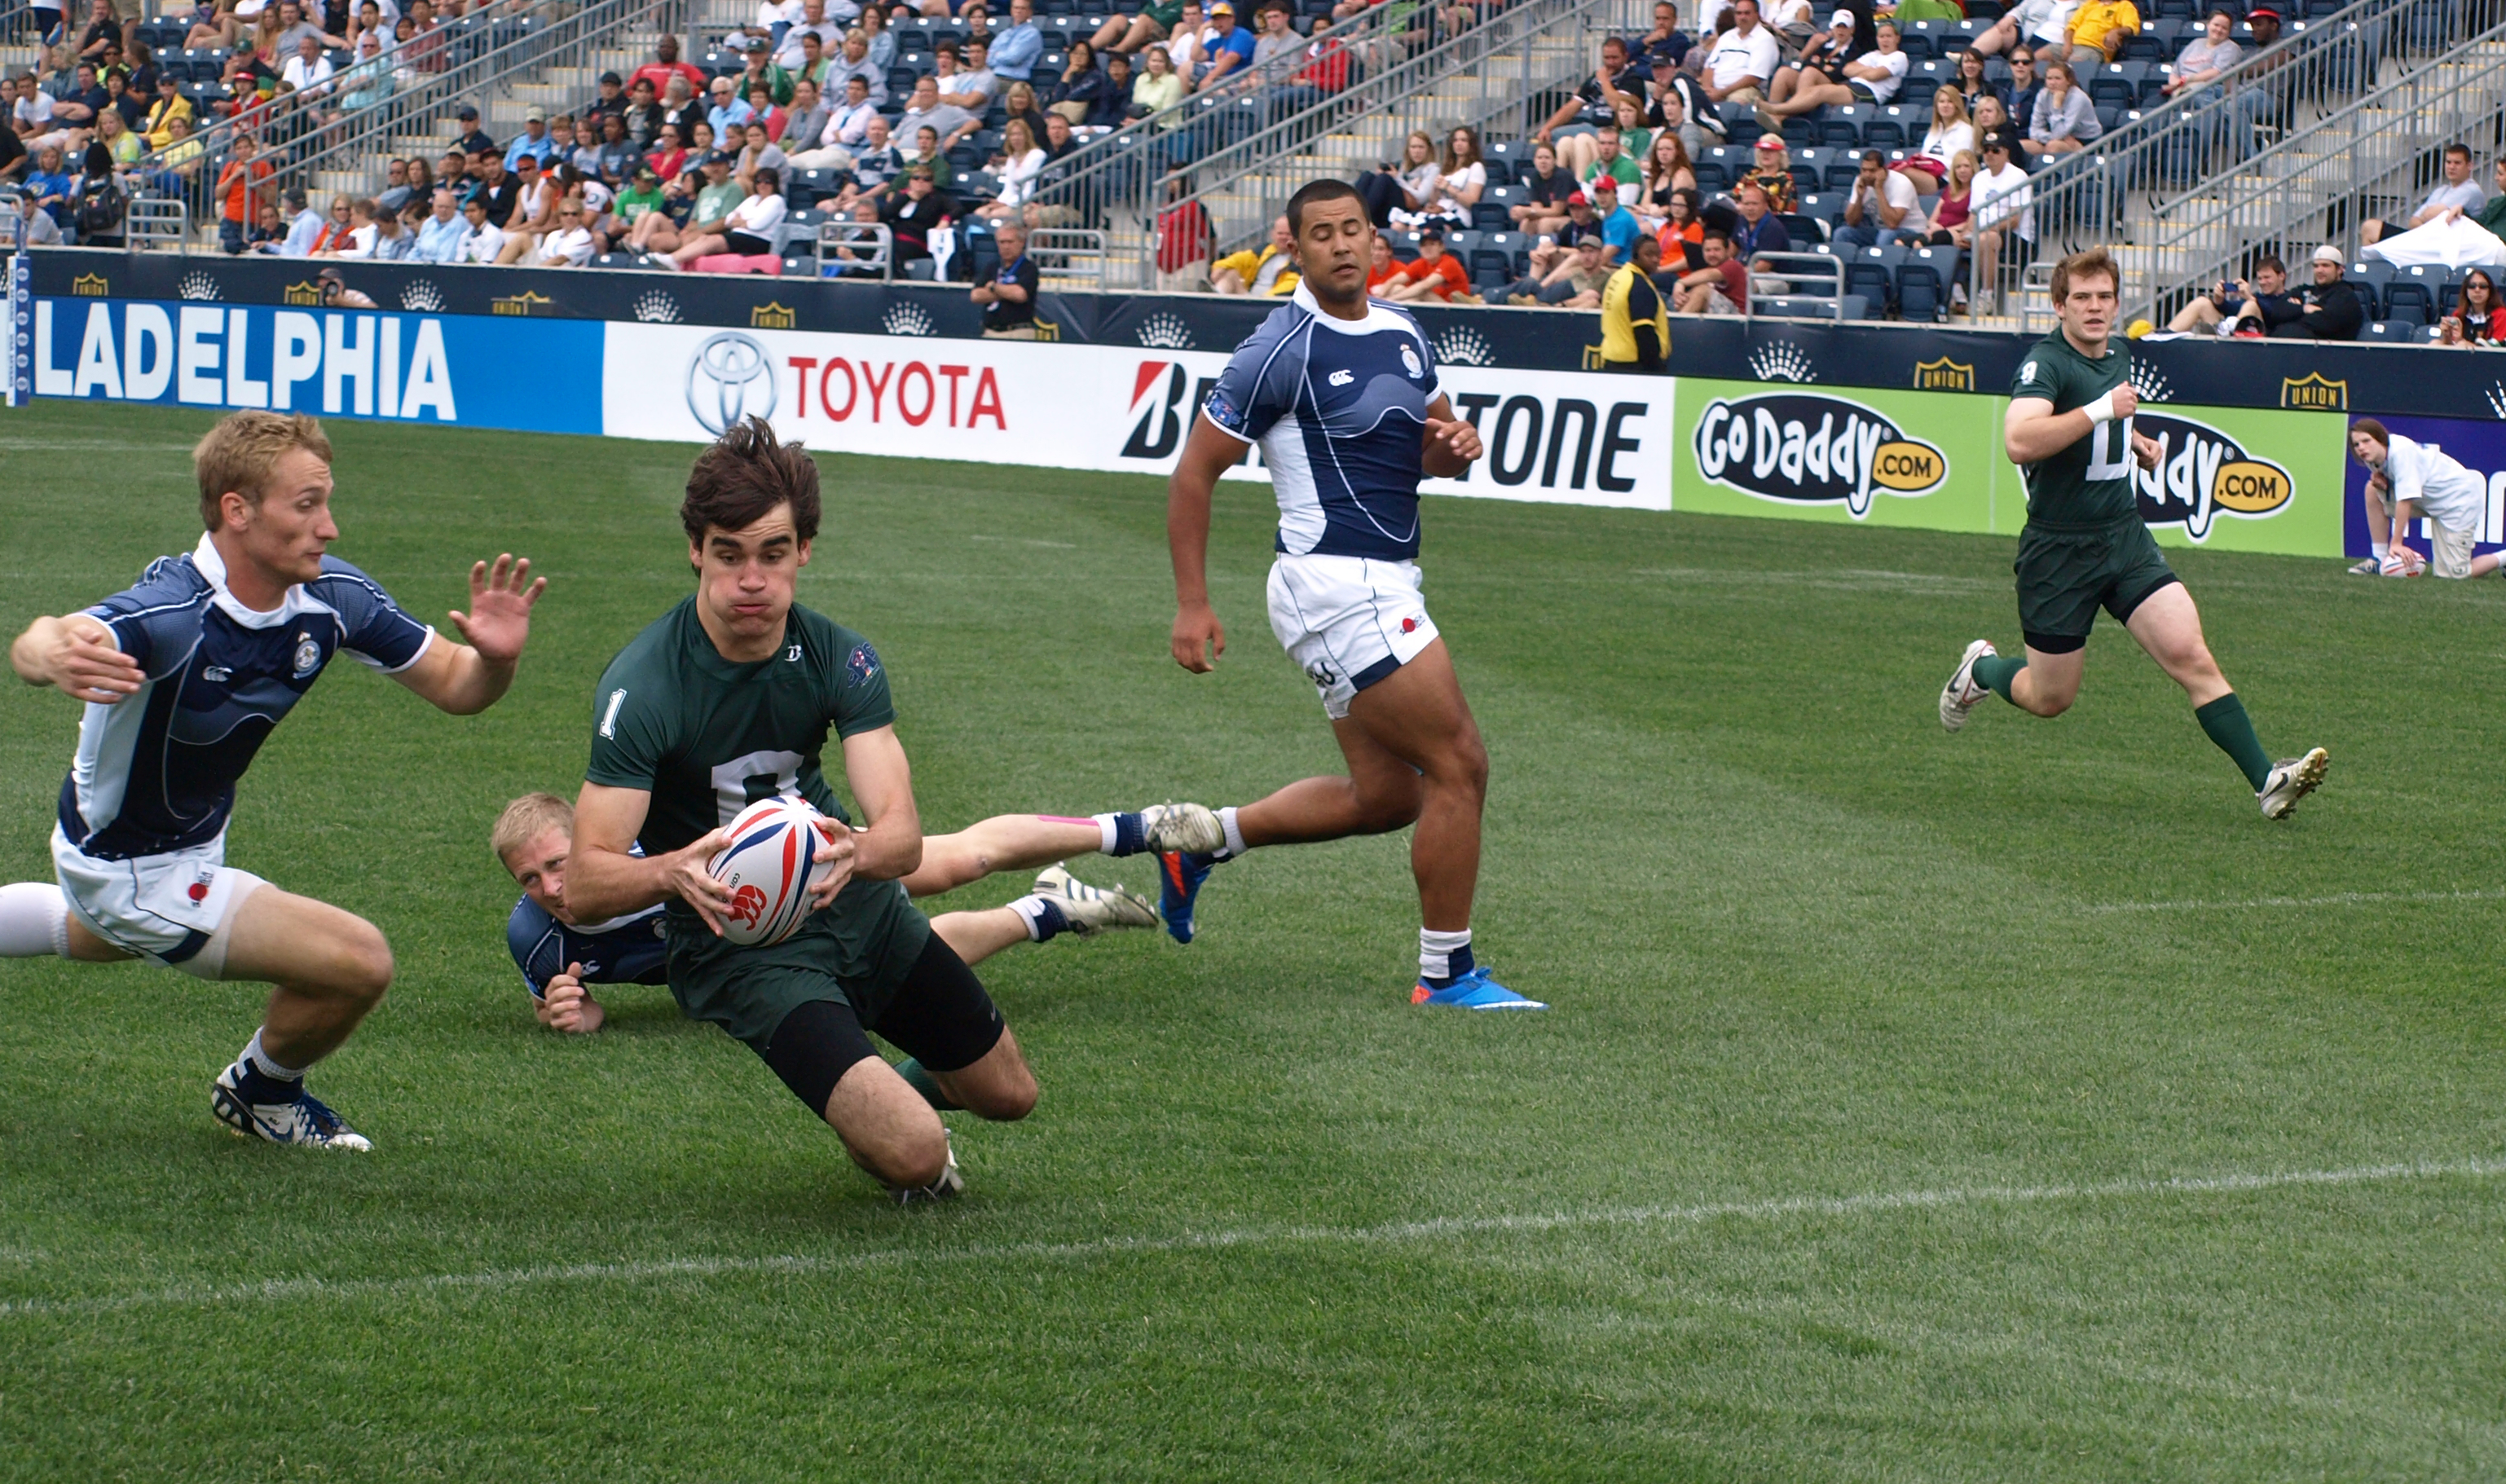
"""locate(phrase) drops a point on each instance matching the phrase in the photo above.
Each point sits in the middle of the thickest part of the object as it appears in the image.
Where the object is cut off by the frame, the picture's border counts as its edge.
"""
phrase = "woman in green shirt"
(1159, 88)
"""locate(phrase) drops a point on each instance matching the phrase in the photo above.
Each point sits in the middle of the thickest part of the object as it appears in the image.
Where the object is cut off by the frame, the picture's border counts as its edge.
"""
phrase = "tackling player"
(184, 675)
(1342, 394)
(730, 698)
(2407, 479)
(2085, 545)
(561, 958)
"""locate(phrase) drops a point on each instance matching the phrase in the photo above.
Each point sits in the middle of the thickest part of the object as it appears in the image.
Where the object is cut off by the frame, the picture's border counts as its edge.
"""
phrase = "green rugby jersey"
(2089, 482)
(708, 737)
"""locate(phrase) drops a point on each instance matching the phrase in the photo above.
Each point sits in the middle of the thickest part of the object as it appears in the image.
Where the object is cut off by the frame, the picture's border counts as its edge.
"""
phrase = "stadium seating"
(1872, 271)
(1924, 282)
(2412, 293)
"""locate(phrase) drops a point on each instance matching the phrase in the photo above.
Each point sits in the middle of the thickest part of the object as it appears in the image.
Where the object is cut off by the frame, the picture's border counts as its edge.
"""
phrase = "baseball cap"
(1579, 198)
(756, 44)
(2260, 10)
(611, 80)
(1841, 18)
(1590, 240)
(465, 111)
(1771, 141)
(1998, 139)
(1605, 183)
(535, 114)
(2327, 253)
(1431, 230)
(1222, 8)
(647, 172)
(528, 162)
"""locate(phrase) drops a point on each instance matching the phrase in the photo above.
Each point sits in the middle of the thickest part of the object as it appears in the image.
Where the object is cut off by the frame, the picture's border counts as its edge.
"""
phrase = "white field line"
(2335, 899)
(497, 1279)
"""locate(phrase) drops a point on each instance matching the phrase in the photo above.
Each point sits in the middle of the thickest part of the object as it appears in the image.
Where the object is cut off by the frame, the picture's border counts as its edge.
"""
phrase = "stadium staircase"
(1500, 72)
(2331, 125)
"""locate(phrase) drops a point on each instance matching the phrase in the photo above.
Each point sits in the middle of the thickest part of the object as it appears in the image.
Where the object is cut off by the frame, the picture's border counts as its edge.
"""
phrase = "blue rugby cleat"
(1476, 990)
(302, 1120)
(1179, 879)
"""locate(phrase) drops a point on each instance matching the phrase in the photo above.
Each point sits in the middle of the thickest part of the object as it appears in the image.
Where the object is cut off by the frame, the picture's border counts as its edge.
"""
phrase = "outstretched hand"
(1199, 638)
(499, 618)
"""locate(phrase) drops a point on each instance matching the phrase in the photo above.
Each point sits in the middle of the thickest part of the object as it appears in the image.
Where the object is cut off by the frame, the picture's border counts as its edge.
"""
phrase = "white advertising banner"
(1572, 438)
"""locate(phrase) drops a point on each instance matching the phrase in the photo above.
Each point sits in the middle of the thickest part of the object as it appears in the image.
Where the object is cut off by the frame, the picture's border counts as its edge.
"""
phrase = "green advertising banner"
(2239, 478)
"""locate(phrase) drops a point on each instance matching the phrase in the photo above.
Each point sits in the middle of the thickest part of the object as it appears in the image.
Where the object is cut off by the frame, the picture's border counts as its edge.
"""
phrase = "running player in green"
(2085, 546)
(726, 698)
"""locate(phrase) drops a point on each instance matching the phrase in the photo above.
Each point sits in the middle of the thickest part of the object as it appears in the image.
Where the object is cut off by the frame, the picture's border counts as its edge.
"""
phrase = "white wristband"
(2101, 410)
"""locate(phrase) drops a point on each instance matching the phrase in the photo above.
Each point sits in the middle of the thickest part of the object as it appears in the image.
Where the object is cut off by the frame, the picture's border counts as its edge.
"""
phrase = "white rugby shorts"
(171, 909)
(2452, 550)
(1348, 621)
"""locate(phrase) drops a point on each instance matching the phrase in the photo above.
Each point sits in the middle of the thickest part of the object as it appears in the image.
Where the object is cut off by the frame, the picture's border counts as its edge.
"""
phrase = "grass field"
(2013, 1106)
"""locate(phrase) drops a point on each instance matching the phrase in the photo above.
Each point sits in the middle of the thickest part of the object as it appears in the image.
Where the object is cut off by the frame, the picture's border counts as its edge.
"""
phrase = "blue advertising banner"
(457, 370)
(2480, 446)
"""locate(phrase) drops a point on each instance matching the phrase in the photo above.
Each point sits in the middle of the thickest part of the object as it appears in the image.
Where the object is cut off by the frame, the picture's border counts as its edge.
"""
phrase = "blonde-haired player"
(183, 675)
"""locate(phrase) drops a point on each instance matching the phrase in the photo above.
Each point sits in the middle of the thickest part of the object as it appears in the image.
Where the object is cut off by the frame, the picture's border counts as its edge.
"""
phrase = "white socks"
(1110, 827)
(34, 920)
(1438, 951)
(1030, 909)
(261, 1062)
(1235, 844)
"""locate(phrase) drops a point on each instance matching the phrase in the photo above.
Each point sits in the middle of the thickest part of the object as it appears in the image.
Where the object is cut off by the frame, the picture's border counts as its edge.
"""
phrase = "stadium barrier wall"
(2254, 432)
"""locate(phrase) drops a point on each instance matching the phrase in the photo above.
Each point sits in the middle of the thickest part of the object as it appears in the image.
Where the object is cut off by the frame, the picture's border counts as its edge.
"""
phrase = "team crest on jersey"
(308, 655)
(861, 664)
(1409, 362)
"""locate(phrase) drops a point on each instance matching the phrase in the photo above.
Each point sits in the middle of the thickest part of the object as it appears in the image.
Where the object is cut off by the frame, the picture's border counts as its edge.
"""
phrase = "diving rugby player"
(1341, 392)
(2085, 545)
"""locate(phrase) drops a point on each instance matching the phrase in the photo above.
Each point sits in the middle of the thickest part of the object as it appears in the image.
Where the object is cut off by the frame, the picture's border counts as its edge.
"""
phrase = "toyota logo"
(720, 377)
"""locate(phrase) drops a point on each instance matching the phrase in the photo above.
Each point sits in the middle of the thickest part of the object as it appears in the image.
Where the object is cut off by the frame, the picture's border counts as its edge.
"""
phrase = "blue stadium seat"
(1895, 126)
(1872, 273)
(1515, 246)
(2413, 293)
(2368, 277)
(1509, 153)
(1801, 131)
(1924, 282)
(1839, 175)
(1824, 205)
(1405, 244)
(1841, 126)
(1490, 215)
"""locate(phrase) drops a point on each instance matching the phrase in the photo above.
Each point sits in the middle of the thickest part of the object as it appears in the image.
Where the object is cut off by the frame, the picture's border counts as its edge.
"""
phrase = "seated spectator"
(915, 211)
(956, 84)
(1079, 88)
(1665, 173)
(1682, 233)
(1610, 157)
(1951, 133)
(859, 248)
(1616, 223)
(1380, 265)
(481, 242)
(1159, 88)
(1594, 103)
(2065, 120)
(212, 25)
(1720, 287)
(1564, 277)
(1759, 230)
(396, 189)
(642, 196)
(1268, 272)
(170, 104)
(357, 239)
(708, 210)
(2098, 31)
(1009, 297)
(534, 212)
(1460, 179)
(1822, 61)
(2478, 316)
(97, 203)
(1275, 40)
(1021, 163)
(308, 71)
(1113, 102)
(762, 109)
(1233, 55)
(615, 160)
(665, 68)
(305, 225)
(41, 229)
(2207, 58)
(728, 109)
(926, 153)
(948, 122)
(336, 224)
(1434, 274)
(1874, 78)
(2451, 197)
(367, 82)
(1400, 196)
(643, 114)
(2032, 23)
(473, 140)
(2327, 309)
(1953, 209)
(1664, 47)
(1020, 46)
(1884, 208)
(568, 243)
(86, 97)
(806, 118)
(2003, 217)
(2243, 306)
(1544, 213)
(1127, 34)
(1741, 63)
(669, 157)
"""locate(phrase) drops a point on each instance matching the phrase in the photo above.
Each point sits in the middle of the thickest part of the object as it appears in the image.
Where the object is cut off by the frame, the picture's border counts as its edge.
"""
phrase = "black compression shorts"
(939, 1015)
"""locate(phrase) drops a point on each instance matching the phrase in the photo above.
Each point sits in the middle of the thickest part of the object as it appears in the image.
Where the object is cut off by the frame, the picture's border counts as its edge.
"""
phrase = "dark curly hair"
(747, 473)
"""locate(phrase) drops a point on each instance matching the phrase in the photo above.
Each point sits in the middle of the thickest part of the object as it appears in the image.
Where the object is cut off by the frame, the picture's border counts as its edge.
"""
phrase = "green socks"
(1997, 671)
(921, 1082)
(2227, 724)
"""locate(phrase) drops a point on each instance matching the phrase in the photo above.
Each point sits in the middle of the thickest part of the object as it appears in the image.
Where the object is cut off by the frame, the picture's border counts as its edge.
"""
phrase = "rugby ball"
(769, 867)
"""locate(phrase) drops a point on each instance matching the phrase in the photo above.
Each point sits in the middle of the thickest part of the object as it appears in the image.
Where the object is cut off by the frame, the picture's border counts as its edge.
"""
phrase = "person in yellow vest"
(1267, 273)
(1635, 324)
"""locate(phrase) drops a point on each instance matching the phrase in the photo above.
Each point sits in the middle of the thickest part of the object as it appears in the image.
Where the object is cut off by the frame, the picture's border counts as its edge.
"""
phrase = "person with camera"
(2245, 306)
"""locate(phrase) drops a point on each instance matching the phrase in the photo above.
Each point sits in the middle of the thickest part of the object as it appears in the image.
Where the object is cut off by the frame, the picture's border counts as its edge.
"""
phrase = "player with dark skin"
(1414, 751)
(744, 594)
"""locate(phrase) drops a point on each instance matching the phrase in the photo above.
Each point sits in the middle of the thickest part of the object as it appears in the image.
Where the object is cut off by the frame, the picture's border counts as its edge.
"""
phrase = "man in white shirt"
(484, 240)
(1743, 59)
(569, 243)
(847, 130)
(2457, 192)
(1883, 209)
(2041, 23)
(2005, 225)
(308, 71)
(438, 240)
(815, 18)
(304, 226)
(2415, 478)
(973, 84)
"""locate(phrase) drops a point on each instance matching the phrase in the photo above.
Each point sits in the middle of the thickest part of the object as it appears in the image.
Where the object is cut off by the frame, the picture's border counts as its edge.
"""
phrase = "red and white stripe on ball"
(769, 866)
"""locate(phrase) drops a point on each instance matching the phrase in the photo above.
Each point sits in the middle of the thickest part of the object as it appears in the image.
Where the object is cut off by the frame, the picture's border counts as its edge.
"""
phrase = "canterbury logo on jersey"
(1343, 377)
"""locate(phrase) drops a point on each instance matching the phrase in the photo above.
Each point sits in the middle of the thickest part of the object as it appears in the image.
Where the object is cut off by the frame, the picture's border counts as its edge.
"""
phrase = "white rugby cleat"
(1090, 910)
(1959, 696)
(2292, 781)
(1188, 828)
(302, 1120)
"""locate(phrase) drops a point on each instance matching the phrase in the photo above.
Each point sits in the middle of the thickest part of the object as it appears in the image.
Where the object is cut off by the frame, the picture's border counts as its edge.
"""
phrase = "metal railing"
(2373, 158)
(2189, 147)
(1793, 268)
(841, 243)
(507, 41)
(1496, 69)
(1070, 253)
(156, 221)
